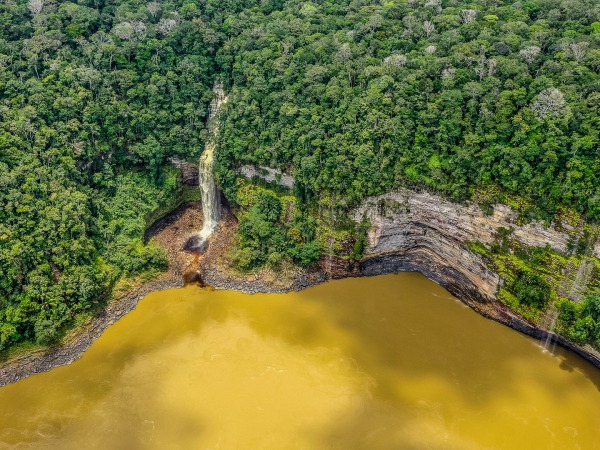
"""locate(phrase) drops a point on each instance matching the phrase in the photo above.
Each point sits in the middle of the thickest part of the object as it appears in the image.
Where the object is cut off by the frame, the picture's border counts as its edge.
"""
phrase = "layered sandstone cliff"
(419, 231)
(431, 234)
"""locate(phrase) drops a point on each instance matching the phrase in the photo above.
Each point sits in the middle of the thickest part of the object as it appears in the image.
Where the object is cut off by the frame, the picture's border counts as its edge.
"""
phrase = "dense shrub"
(530, 289)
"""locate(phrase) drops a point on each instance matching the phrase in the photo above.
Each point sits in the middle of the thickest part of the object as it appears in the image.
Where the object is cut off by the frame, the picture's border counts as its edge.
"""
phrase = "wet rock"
(196, 244)
(193, 277)
(412, 231)
(189, 171)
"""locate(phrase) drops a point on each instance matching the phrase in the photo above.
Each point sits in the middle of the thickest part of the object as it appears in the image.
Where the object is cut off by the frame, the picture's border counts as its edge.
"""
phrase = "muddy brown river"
(389, 362)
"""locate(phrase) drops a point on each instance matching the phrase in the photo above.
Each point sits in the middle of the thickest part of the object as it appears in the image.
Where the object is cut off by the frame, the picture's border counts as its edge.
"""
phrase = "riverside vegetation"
(488, 101)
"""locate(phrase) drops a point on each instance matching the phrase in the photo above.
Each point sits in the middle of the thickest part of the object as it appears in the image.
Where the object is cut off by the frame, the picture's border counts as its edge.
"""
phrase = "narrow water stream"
(390, 362)
(208, 189)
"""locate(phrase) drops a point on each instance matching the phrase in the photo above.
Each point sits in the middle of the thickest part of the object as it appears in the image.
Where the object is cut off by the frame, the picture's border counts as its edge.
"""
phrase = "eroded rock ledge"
(418, 231)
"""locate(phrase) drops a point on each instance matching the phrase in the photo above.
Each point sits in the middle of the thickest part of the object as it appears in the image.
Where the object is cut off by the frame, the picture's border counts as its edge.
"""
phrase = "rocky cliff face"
(419, 231)
(430, 234)
(411, 231)
(267, 174)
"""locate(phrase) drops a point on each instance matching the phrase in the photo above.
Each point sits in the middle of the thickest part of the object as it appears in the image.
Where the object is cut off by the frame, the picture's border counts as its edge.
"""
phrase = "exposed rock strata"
(412, 231)
(431, 234)
(391, 212)
(267, 174)
(189, 172)
(417, 231)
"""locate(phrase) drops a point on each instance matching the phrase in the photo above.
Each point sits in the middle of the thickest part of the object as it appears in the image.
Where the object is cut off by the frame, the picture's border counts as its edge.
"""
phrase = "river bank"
(213, 268)
(170, 233)
(215, 272)
(362, 355)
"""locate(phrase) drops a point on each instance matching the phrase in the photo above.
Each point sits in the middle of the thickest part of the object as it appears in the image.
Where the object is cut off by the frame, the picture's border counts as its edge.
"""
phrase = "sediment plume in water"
(389, 362)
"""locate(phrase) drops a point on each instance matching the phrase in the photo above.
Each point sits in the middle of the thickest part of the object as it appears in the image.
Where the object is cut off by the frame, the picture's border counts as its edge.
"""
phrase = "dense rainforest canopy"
(94, 97)
(351, 97)
(356, 97)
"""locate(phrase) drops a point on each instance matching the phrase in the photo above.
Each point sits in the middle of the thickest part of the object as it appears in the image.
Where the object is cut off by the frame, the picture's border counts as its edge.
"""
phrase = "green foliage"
(361, 239)
(580, 322)
(351, 97)
(267, 233)
(537, 277)
(45, 331)
(123, 221)
(356, 98)
(591, 307)
(90, 111)
(530, 289)
(268, 206)
(502, 240)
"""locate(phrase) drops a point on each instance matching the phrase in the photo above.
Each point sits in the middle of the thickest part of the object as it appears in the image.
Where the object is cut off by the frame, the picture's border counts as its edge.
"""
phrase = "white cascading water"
(210, 199)
(576, 294)
(210, 194)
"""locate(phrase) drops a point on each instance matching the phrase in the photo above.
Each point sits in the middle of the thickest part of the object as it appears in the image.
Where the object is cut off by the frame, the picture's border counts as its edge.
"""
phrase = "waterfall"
(549, 336)
(576, 294)
(581, 280)
(209, 192)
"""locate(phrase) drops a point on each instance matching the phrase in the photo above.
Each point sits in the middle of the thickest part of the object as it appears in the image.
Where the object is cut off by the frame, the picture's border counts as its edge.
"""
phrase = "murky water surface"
(391, 362)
